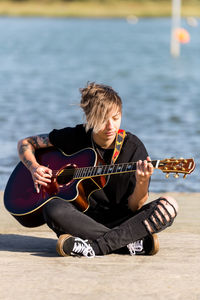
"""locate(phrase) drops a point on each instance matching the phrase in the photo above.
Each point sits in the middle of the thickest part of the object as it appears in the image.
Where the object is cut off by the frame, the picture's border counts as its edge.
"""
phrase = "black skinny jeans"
(63, 217)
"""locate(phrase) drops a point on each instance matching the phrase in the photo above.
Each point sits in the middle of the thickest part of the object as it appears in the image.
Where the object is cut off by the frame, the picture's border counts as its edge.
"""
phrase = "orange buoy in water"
(182, 35)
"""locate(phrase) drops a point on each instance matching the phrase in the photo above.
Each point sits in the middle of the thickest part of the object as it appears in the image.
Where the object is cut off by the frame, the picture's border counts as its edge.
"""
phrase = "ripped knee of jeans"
(162, 217)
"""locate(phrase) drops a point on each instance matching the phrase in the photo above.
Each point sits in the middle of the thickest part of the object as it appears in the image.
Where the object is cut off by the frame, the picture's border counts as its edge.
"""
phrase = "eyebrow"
(117, 114)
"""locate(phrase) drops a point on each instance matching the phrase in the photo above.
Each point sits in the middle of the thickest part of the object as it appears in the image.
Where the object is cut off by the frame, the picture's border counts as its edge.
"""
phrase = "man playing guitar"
(117, 218)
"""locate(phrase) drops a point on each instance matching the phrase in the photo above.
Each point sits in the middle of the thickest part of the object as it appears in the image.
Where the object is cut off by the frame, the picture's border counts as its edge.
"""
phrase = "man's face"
(111, 125)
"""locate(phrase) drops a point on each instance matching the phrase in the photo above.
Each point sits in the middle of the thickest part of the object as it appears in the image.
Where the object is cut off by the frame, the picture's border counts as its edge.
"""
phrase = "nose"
(109, 124)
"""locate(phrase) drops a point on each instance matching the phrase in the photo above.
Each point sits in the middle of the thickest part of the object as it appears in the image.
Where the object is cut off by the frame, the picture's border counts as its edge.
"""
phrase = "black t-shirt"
(111, 202)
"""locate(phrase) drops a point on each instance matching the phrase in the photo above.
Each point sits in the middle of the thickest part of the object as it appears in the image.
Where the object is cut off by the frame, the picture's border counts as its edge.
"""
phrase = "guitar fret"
(119, 168)
(114, 169)
(81, 172)
(94, 171)
(123, 168)
(110, 170)
(89, 171)
(99, 170)
(129, 167)
(84, 172)
(103, 169)
(75, 173)
(106, 169)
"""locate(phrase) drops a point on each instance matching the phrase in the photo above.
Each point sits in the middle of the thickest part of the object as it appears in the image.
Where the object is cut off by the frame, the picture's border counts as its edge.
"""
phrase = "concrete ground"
(31, 269)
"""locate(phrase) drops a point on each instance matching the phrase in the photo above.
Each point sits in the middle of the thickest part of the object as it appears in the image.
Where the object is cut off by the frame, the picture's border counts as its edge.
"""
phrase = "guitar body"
(21, 199)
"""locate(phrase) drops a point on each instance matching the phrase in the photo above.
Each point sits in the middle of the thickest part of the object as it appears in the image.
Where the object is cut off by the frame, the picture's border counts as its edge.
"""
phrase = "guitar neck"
(103, 170)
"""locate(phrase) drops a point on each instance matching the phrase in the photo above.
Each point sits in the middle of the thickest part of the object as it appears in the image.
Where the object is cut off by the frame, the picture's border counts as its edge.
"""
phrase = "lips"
(110, 133)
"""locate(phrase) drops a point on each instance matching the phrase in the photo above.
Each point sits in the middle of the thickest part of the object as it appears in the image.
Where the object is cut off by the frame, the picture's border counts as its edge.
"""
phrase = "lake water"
(44, 62)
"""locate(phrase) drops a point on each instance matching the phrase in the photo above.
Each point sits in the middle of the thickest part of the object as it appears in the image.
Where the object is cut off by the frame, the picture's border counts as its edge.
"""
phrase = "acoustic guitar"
(75, 177)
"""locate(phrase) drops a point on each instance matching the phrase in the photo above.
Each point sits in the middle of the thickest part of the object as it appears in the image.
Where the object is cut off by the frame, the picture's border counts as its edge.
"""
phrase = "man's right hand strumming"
(41, 175)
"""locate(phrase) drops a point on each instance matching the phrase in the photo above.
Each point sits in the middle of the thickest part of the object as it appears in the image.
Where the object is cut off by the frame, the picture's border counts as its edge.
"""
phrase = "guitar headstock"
(176, 166)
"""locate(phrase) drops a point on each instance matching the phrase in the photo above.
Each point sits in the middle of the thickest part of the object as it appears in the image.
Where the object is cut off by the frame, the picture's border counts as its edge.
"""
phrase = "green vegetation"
(95, 8)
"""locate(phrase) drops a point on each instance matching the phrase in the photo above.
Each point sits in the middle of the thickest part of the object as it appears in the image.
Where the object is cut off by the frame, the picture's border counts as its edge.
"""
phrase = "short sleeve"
(70, 139)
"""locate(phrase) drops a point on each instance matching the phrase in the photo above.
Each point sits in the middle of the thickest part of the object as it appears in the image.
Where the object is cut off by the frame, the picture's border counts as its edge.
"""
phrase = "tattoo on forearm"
(29, 145)
(27, 162)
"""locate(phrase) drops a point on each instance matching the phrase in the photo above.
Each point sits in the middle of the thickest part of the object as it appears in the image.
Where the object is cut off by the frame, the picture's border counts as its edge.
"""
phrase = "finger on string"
(150, 167)
(139, 164)
(47, 175)
(37, 187)
(41, 182)
(42, 178)
(145, 164)
(48, 171)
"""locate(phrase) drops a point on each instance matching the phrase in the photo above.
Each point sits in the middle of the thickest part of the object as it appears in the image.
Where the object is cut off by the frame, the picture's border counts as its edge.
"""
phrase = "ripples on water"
(44, 62)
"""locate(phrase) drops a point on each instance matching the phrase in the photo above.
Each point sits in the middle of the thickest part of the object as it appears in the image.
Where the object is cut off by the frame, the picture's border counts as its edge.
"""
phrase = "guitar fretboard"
(103, 170)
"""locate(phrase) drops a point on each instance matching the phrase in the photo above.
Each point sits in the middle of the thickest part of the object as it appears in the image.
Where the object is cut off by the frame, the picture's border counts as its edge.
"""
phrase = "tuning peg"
(167, 175)
(176, 175)
(184, 176)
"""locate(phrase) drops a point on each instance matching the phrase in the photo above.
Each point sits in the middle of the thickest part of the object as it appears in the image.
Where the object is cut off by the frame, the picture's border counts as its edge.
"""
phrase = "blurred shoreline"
(95, 9)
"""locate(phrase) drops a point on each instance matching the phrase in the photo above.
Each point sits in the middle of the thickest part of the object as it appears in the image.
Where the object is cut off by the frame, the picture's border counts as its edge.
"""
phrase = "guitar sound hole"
(66, 175)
